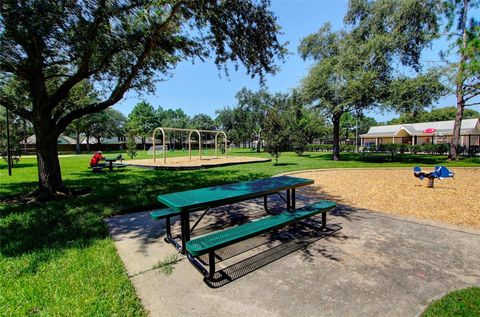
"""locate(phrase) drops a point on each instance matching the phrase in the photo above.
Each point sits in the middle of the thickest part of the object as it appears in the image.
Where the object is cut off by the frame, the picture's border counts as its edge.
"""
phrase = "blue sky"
(202, 88)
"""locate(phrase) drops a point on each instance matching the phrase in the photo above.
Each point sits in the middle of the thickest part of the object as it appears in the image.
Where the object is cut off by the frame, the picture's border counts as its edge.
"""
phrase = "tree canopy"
(357, 68)
(202, 122)
(440, 114)
(49, 47)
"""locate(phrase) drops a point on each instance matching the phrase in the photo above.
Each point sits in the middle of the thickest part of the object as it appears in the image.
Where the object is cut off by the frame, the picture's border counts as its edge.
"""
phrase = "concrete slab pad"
(376, 265)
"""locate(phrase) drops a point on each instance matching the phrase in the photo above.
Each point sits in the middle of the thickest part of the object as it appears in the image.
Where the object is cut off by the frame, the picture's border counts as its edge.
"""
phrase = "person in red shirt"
(96, 159)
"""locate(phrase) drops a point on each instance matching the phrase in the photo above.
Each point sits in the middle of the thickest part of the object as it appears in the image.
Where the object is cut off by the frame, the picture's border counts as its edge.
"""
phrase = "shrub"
(131, 144)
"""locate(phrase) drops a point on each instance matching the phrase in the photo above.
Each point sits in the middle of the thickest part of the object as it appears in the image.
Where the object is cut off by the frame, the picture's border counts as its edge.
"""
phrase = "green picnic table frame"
(186, 202)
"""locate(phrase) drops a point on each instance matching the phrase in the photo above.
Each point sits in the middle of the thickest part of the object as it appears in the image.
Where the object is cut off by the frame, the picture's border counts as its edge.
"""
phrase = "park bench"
(109, 164)
(211, 242)
(97, 169)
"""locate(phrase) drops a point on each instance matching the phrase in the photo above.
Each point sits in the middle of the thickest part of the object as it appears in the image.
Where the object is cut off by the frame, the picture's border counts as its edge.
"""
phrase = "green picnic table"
(189, 201)
(186, 202)
(110, 162)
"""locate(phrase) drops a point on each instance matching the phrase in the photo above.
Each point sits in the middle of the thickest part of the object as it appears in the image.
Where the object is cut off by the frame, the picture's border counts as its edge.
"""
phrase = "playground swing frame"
(190, 131)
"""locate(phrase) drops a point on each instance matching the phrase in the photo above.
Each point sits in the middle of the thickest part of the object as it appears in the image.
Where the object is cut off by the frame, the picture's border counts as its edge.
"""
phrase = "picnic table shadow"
(262, 250)
(279, 244)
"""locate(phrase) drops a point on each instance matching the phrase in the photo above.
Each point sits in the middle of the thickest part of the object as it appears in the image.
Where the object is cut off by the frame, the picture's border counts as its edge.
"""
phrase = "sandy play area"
(397, 191)
(184, 162)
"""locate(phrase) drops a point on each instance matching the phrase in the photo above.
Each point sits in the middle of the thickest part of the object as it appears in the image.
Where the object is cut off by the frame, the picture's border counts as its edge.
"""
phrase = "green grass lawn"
(57, 258)
(465, 302)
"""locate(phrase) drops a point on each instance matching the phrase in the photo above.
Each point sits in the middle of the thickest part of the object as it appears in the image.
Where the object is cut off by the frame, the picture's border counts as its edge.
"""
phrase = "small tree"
(144, 120)
(296, 121)
(274, 133)
(131, 144)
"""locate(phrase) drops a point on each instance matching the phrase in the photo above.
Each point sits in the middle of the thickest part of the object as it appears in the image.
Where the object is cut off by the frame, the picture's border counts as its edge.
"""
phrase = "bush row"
(390, 148)
(427, 148)
(329, 147)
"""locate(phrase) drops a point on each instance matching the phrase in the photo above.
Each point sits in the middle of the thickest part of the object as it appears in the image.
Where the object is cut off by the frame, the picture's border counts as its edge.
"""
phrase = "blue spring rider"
(439, 172)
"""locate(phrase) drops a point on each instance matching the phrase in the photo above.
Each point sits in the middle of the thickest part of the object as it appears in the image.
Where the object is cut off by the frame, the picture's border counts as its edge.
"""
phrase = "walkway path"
(376, 265)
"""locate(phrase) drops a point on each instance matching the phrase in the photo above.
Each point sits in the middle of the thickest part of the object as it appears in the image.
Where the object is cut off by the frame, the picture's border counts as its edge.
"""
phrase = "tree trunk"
(49, 173)
(78, 142)
(457, 125)
(88, 142)
(25, 137)
(259, 144)
(459, 91)
(336, 136)
(144, 143)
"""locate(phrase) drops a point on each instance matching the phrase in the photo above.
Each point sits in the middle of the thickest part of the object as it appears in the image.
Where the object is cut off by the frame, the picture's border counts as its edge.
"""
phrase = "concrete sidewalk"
(376, 265)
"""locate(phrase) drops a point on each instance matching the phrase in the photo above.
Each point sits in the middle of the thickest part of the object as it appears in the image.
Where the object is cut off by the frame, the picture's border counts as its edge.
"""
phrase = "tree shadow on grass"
(18, 165)
(284, 164)
(79, 220)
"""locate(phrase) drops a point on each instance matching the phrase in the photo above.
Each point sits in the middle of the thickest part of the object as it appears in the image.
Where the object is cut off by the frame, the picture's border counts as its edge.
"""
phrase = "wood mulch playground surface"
(184, 162)
(397, 191)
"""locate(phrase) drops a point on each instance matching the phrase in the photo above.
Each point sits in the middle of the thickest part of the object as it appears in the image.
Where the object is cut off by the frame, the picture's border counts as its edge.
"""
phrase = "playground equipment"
(439, 172)
(190, 132)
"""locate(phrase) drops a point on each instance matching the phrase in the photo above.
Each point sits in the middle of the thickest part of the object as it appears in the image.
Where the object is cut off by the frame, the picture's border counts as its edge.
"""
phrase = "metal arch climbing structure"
(190, 131)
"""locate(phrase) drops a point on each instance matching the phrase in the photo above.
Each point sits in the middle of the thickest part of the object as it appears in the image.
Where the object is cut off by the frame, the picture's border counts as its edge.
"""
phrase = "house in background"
(62, 139)
(64, 144)
(425, 132)
(117, 142)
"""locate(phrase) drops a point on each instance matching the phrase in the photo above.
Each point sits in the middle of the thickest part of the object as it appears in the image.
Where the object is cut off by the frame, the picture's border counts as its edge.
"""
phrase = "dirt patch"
(452, 200)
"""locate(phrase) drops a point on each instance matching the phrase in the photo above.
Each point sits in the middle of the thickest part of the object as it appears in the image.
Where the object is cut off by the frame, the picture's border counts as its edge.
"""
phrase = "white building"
(425, 132)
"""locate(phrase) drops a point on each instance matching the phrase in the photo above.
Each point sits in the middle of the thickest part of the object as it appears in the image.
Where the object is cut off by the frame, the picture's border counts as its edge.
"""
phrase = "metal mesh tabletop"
(230, 193)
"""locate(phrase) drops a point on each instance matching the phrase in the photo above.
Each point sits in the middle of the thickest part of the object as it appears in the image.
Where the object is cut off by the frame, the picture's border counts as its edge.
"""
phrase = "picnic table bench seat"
(98, 168)
(208, 243)
(163, 213)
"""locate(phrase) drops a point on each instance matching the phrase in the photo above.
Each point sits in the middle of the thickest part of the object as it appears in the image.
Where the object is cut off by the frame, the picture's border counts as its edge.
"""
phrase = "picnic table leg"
(168, 230)
(265, 203)
(293, 199)
(185, 223)
(211, 264)
(288, 200)
(169, 238)
(324, 220)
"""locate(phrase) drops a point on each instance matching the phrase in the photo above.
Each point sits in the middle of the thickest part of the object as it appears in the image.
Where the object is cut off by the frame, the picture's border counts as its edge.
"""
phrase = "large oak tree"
(344, 77)
(51, 46)
(357, 68)
(409, 27)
